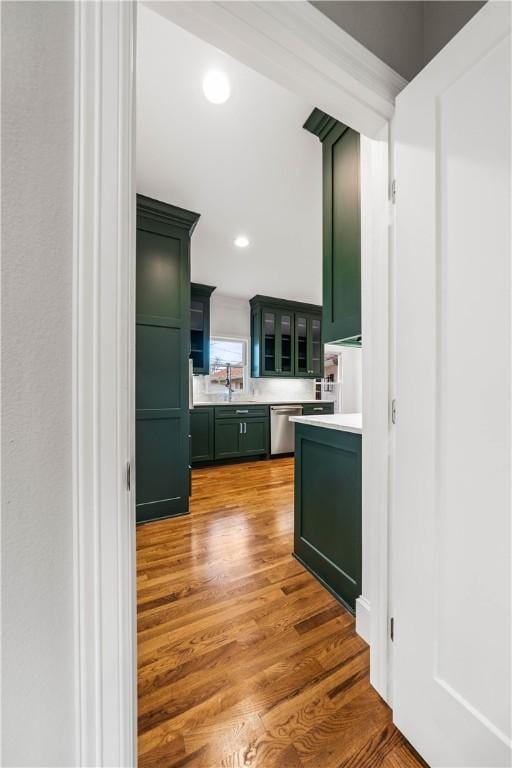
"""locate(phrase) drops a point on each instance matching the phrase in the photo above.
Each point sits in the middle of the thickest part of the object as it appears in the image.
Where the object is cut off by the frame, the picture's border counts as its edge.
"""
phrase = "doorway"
(109, 125)
(187, 579)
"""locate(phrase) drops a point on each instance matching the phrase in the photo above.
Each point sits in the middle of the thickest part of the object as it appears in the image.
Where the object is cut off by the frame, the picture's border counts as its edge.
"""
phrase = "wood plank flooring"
(244, 658)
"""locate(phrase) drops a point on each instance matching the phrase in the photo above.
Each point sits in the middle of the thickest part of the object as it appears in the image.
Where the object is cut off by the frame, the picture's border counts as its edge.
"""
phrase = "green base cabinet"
(327, 533)
(238, 439)
(341, 316)
(255, 437)
(241, 432)
(228, 433)
(201, 434)
(320, 409)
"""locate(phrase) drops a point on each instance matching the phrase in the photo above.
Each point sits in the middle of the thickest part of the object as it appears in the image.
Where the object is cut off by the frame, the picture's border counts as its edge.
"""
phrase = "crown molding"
(320, 124)
(294, 306)
(298, 47)
(165, 212)
(201, 289)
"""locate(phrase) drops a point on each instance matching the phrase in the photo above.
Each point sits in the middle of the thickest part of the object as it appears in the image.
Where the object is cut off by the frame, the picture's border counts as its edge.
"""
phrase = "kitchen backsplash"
(260, 389)
(295, 389)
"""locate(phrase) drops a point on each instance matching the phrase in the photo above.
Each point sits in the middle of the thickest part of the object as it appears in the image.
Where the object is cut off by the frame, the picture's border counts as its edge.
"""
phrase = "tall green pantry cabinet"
(162, 354)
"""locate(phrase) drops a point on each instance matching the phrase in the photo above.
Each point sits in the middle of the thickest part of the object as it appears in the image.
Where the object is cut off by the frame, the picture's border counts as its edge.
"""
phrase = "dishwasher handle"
(278, 409)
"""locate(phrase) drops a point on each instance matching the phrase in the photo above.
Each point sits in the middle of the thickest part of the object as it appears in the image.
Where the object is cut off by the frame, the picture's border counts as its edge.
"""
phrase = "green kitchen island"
(327, 531)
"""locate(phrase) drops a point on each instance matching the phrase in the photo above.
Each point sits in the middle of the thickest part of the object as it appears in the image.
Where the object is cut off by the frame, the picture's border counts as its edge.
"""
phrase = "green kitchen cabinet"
(321, 408)
(341, 316)
(227, 438)
(275, 331)
(241, 431)
(254, 440)
(285, 338)
(241, 411)
(235, 439)
(277, 342)
(309, 350)
(162, 352)
(327, 525)
(201, 434)
(200, 327)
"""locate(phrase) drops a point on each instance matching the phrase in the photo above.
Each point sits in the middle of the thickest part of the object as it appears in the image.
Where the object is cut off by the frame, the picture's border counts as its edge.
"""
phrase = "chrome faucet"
(229, 383)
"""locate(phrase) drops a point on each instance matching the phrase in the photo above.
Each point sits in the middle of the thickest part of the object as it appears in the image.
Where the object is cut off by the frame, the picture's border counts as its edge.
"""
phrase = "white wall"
(351, 380)
(229, 316)
(37, 536)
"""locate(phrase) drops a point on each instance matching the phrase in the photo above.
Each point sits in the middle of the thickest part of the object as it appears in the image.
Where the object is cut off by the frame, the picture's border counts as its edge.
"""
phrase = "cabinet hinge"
(392, 629)
(393, 191)
(128, 476)
(393, 411)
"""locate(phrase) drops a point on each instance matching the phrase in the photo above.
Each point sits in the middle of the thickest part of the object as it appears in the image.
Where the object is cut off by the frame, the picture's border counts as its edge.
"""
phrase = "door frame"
(338, 75)
(104, 384)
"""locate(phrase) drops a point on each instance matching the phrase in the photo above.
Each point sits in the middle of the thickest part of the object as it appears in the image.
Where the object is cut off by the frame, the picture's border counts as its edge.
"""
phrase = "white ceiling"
(247, 166)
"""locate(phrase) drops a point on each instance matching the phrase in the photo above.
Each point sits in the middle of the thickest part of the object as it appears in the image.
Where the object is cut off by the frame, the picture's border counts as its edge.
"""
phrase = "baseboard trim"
(363, 618)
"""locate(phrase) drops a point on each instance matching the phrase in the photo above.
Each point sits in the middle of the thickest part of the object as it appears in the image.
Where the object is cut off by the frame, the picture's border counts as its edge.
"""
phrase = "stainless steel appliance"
(282, 430)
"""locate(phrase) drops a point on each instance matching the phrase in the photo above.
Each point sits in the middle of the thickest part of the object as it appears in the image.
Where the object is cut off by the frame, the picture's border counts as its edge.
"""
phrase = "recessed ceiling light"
(241, 241)
(216, 86)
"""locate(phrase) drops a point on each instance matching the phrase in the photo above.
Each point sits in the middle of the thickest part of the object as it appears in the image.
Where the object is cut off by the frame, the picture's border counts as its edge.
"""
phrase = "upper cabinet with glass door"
(277, 359)
(200, 327)
(308, 345)
(285, 338)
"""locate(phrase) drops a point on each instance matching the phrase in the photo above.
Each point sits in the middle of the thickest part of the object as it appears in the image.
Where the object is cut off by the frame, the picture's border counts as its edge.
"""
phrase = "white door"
(451, 522)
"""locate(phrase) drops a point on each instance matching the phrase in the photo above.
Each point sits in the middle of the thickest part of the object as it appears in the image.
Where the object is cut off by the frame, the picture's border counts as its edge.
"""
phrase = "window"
(227, 357)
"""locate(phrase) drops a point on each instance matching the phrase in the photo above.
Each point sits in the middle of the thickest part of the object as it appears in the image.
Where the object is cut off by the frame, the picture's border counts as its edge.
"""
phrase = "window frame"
(245, 346)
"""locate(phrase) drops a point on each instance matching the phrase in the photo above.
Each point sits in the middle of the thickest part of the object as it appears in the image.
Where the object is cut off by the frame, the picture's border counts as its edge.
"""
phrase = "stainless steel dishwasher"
(282, 430)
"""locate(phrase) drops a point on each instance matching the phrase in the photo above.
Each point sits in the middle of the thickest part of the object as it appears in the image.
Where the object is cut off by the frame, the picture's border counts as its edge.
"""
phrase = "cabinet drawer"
(240, 411)
(312, 409)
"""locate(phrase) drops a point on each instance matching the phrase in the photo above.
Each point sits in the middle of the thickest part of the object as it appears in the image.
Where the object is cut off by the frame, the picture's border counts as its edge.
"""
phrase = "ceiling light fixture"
(216, 86)
(241, 241)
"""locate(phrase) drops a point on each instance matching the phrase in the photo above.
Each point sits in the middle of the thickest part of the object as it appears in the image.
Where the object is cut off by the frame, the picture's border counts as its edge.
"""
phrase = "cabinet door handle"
(245, 427)
(241, 428)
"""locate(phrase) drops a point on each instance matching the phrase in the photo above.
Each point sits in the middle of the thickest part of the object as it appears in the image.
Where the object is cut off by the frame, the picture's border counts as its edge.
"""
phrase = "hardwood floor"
(244, 658)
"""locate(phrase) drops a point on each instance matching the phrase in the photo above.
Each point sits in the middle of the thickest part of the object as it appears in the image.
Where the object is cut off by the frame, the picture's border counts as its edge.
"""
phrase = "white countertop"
(273, 401)
(344, 422)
